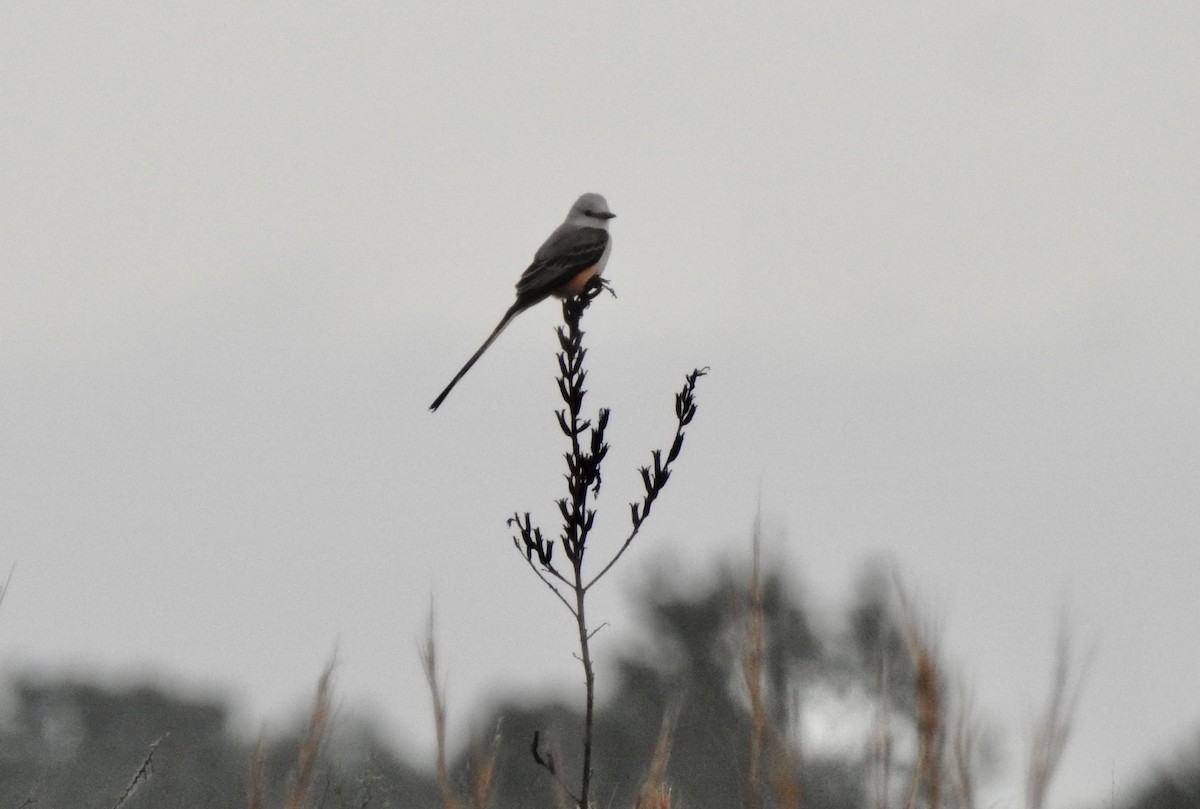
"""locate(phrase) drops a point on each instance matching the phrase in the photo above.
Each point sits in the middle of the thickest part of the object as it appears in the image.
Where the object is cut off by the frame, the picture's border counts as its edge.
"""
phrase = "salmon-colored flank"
(577, 283)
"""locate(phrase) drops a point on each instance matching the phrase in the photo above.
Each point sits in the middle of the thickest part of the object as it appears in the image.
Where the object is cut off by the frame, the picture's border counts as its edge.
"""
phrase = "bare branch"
(143, 773)
(655, 479)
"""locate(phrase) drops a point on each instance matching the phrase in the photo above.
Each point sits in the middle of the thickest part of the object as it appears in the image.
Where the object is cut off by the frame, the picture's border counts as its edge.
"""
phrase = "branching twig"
(545, 760)
(143, 773)
(31, 797)
(655, 479)
(531, 540)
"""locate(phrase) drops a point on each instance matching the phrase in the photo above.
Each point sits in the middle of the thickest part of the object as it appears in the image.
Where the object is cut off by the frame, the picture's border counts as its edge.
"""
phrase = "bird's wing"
(568, 251)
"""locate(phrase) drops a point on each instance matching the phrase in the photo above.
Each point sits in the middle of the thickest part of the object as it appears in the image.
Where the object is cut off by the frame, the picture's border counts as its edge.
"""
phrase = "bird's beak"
(607, 215)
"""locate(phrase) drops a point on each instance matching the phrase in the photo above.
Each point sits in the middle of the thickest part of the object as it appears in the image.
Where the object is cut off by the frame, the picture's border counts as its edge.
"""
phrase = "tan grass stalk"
(256, 796)
(655, 792)
(7, 582)
(767, 743)
(927, 773)
(1053, 729)
(310, 748)
(753, 671)
(929, 722)
(962, 746)
(484, 776)
(784, 772)
(438, 702)
(881, 739)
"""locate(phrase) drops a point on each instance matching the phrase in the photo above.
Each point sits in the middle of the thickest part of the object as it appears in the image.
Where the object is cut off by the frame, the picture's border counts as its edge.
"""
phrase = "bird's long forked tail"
(512, 312)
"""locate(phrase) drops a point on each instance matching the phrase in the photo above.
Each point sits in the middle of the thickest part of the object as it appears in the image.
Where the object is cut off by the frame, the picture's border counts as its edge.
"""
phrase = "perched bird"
(567, 261)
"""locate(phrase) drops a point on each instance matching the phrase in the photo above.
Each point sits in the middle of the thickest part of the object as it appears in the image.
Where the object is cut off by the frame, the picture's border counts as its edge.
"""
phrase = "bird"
(563, 266)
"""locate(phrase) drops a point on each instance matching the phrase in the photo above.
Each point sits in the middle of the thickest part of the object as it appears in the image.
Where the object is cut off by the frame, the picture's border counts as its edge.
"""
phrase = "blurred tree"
(76, 745)
(1173, 787)
(880, 652)
(692, 660)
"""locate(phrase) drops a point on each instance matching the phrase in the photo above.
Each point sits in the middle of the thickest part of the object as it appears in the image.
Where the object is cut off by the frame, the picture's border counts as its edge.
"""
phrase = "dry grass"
(484, 776)
(963, 746)
(306, 759)
(927, 774)
(256, 798)
(948, 737)
(926, 785)
(880, 744)
(301, 780)
(947, 733)
(767, 743)
(784, 773)
(655, 792)
(753, 671)
(942, 772)
(1053, 729)
(7, 583)
(438, 705)
(479, 794)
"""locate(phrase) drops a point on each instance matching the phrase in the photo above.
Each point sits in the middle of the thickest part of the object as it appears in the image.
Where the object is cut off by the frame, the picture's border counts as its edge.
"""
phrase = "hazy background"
(941, 257)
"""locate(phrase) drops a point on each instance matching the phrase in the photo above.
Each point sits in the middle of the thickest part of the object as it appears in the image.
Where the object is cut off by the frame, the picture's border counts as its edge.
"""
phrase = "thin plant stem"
(753, 665)
(583, 485)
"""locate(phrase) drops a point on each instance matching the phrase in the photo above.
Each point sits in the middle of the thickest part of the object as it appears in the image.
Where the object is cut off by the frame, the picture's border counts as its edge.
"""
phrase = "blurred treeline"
(71, 744)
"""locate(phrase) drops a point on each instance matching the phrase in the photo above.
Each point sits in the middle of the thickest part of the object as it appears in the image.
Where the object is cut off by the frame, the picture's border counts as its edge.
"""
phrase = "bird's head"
(590, 210)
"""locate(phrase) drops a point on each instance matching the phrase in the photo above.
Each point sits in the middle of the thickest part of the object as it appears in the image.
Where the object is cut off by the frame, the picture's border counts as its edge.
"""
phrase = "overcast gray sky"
(941, 257)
